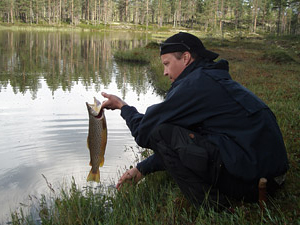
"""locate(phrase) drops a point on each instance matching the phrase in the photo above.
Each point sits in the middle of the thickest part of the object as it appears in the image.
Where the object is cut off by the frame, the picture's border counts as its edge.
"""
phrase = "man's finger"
(105, 95)
(126, 177)
(119, 184)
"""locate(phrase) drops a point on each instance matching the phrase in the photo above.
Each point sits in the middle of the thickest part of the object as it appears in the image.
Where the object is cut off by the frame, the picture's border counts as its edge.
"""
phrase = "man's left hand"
(132, 175)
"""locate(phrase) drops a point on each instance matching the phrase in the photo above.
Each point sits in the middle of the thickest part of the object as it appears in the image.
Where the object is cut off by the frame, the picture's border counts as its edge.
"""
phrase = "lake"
(45, 80)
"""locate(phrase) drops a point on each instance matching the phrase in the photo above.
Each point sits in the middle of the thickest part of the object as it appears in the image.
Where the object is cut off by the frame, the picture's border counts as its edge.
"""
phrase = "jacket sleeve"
(181, 107)
(133, 119)
(152, 164)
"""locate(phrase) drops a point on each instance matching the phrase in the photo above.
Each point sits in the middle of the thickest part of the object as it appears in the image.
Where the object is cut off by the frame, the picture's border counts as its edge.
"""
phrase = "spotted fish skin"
(97, 139)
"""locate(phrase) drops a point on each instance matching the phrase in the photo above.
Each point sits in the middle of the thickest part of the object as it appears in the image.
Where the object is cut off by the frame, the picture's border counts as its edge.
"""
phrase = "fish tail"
(94, 176)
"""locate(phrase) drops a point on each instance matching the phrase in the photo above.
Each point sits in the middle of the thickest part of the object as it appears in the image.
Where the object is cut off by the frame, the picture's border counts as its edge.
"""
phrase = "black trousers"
(195, 165)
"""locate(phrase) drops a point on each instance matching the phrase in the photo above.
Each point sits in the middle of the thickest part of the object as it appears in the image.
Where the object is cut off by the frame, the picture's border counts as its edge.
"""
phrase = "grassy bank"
(271, 69)
(156, 200)
(113, 26)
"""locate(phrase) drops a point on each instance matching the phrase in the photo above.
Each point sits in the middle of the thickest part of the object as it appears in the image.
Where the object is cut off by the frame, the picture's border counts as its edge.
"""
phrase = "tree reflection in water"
(45, 80)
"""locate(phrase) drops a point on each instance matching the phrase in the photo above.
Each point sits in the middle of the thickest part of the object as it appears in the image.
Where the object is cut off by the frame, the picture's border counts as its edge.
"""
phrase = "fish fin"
(94, 176)
(102, 162)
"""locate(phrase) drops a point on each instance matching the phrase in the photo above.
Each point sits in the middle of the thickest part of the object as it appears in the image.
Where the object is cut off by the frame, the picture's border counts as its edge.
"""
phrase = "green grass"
(141, 55)
(156, 199)
(135, 55)
(85, 26)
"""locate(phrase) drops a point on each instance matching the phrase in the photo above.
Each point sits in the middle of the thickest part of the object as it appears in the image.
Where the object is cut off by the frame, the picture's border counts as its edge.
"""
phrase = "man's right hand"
(113, 102)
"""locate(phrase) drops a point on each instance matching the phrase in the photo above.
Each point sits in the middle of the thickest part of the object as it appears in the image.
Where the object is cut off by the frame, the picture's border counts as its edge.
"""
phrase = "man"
(212, 135)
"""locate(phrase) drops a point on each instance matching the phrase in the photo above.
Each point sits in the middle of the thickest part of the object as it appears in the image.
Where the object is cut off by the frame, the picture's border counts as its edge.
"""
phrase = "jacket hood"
(219, 65)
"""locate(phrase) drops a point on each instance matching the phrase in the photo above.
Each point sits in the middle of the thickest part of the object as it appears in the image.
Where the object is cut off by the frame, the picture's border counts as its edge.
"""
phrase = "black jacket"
(205, 98)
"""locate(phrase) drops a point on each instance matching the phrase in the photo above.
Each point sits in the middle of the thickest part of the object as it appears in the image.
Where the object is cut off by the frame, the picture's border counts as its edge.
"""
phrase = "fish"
(97, 139)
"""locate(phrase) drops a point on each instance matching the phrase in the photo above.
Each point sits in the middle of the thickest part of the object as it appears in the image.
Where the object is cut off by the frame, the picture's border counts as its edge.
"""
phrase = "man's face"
(172, 66)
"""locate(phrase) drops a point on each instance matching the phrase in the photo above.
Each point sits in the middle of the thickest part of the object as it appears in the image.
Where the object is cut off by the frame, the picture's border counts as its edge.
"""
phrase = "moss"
(278, 56)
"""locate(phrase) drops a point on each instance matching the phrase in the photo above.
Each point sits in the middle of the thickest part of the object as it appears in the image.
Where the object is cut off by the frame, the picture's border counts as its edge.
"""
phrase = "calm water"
(45, 80)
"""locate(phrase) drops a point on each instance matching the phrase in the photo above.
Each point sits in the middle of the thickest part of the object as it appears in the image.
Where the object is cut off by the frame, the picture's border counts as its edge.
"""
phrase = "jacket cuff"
(127, 110)
(143, 167)
(150, 165)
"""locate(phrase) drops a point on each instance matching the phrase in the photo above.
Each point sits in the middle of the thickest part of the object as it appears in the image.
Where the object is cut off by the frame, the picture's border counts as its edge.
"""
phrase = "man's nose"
(165, 72)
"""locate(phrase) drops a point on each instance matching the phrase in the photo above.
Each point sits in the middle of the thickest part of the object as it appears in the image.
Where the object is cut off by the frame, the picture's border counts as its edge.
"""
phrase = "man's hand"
(132, 175)
(113, 102)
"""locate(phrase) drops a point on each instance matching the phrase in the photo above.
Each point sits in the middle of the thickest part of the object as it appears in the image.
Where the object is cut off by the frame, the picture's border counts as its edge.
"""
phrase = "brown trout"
(96, 139)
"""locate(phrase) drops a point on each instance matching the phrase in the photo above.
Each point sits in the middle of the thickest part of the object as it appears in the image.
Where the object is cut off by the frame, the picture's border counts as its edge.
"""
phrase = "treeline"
(276, 16)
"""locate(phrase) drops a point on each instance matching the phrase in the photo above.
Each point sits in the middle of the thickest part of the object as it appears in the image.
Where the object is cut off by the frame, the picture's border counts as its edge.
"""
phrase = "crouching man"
(211, 134)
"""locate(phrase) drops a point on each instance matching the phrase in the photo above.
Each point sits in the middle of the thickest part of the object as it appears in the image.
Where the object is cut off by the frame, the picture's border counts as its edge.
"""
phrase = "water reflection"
(45, 80)
(61, 59)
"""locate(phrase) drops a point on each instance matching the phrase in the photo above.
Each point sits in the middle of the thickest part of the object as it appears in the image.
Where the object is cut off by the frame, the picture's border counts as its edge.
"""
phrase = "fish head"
(95, 109)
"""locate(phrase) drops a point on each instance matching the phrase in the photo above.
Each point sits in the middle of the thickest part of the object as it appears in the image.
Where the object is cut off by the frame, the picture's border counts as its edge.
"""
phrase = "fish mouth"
(100, 114)
(95, 109)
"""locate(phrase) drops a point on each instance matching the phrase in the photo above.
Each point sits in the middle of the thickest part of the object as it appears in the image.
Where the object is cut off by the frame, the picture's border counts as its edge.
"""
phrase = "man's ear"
(187, 57)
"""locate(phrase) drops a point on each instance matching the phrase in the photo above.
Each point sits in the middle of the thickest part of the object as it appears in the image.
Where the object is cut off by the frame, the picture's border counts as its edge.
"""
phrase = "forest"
(280, 17)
